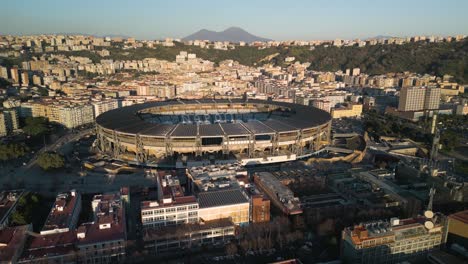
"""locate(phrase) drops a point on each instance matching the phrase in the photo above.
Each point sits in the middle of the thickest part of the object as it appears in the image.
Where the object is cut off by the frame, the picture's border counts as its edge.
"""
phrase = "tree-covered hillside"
(420, 57)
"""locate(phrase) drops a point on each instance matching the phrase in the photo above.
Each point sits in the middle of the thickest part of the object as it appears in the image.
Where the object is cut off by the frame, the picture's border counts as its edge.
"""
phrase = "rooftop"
(62, 212)
(221, 198)
(460, 216)
(282, 192)
(10, 241)
(217, 177)
(282, 117)
(109, 220)
(398, 229)
(8, 200)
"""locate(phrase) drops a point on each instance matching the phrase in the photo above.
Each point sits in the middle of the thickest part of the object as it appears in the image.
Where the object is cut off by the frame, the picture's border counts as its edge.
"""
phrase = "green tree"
(35, 126)
(12, 151)
(114, 83)
(4, 83)
(43, 91)
(18, 219)
(49, 161)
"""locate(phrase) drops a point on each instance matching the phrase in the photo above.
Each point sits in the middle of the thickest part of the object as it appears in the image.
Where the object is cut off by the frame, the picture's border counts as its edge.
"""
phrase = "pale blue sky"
(294, 19)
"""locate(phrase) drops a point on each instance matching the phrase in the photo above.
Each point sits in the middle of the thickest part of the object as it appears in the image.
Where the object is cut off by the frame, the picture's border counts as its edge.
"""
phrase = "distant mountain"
(232, 34)
(380, 37)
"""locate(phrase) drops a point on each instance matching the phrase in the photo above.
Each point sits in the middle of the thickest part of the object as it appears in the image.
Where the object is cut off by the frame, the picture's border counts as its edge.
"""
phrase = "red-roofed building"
(101, 241)
(64, 214)
(8, 202)
(51, 248)
(104, 239)
(12, 241)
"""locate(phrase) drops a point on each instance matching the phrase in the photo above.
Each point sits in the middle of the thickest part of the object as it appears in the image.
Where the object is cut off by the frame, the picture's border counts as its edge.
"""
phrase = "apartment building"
(70, 115)
(392, 242)
(322, 104)
(419, 98)
(432, 98)
(104, 239)
(64, 214)
(351, 110)
(103, 106)
(8, 121)
(12, 240)
(75, 116)
(172, 208)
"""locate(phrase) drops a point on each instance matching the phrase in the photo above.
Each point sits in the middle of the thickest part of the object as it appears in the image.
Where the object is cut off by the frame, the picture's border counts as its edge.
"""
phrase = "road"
(31, 176)
(55, 146)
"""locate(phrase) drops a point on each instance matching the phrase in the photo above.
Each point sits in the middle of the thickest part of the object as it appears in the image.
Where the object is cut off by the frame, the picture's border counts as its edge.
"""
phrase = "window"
(170, 210)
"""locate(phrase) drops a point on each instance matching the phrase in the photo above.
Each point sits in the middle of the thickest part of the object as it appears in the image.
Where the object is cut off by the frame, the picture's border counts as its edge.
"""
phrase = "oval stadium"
(252, 132)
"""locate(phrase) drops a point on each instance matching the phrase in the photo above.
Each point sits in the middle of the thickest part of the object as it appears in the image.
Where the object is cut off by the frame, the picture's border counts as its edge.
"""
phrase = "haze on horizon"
(273, 19)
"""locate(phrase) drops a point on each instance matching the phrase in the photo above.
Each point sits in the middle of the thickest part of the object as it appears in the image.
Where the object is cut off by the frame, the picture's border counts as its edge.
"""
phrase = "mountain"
(380, 37)
(232, 34)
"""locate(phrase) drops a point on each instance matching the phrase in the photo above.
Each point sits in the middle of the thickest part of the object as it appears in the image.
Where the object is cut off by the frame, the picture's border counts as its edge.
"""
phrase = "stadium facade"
(252, 131)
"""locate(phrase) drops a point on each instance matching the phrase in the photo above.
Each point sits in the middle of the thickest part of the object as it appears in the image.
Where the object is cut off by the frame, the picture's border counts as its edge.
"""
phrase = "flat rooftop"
(221, 198)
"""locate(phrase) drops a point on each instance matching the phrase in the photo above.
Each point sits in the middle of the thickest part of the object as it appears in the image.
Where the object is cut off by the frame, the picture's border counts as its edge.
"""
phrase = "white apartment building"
(154, 214)
(104, 106)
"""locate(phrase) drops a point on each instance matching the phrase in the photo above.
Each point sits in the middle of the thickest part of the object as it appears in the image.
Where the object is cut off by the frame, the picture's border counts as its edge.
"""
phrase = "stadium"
(252, 132)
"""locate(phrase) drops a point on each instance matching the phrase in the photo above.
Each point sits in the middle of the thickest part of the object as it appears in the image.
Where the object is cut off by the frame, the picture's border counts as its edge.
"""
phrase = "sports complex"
(252, 132)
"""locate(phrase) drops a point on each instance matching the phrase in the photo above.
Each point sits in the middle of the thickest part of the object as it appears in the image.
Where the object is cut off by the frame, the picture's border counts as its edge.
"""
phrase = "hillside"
(432, 58)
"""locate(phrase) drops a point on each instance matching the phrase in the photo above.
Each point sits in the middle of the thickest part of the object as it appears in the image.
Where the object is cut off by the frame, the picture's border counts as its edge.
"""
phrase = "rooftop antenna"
(428, 213)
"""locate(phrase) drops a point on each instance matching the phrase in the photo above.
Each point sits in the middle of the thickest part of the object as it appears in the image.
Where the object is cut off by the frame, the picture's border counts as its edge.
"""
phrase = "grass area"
(461, 167)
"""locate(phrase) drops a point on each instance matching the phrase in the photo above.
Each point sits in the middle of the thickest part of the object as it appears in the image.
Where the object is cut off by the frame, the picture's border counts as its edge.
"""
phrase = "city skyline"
(305, 20)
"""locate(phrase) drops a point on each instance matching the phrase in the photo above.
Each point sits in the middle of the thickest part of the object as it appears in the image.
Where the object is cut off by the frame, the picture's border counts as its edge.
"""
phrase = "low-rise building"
(173, 207)
(189, 235)
(351, 110)
(457, 230)
(104, 239)
(64, 214)
(392, 242)
(12, 240)
(231, 203)
(101, 241)
(281, 196)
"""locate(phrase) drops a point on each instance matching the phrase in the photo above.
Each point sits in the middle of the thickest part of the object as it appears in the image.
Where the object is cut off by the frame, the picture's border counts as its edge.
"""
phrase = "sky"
(274, 19)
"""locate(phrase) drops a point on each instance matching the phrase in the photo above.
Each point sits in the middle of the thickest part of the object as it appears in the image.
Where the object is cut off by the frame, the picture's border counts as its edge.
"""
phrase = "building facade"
(394, 242)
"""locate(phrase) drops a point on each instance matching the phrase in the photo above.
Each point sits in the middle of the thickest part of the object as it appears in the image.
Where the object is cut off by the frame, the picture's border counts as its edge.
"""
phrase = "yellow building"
(352, 110)
(230, 203)
(457, 228)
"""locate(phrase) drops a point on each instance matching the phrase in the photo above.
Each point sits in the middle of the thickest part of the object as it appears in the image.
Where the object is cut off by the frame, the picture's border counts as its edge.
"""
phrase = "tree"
(12, 151)
(4, 83)
(231, 249)
(50, 161)
(114, 83)
(17, 219)
(35, 126)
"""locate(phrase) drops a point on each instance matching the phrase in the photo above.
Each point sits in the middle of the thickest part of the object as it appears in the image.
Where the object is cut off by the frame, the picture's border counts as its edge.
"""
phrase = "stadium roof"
(296, 117)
